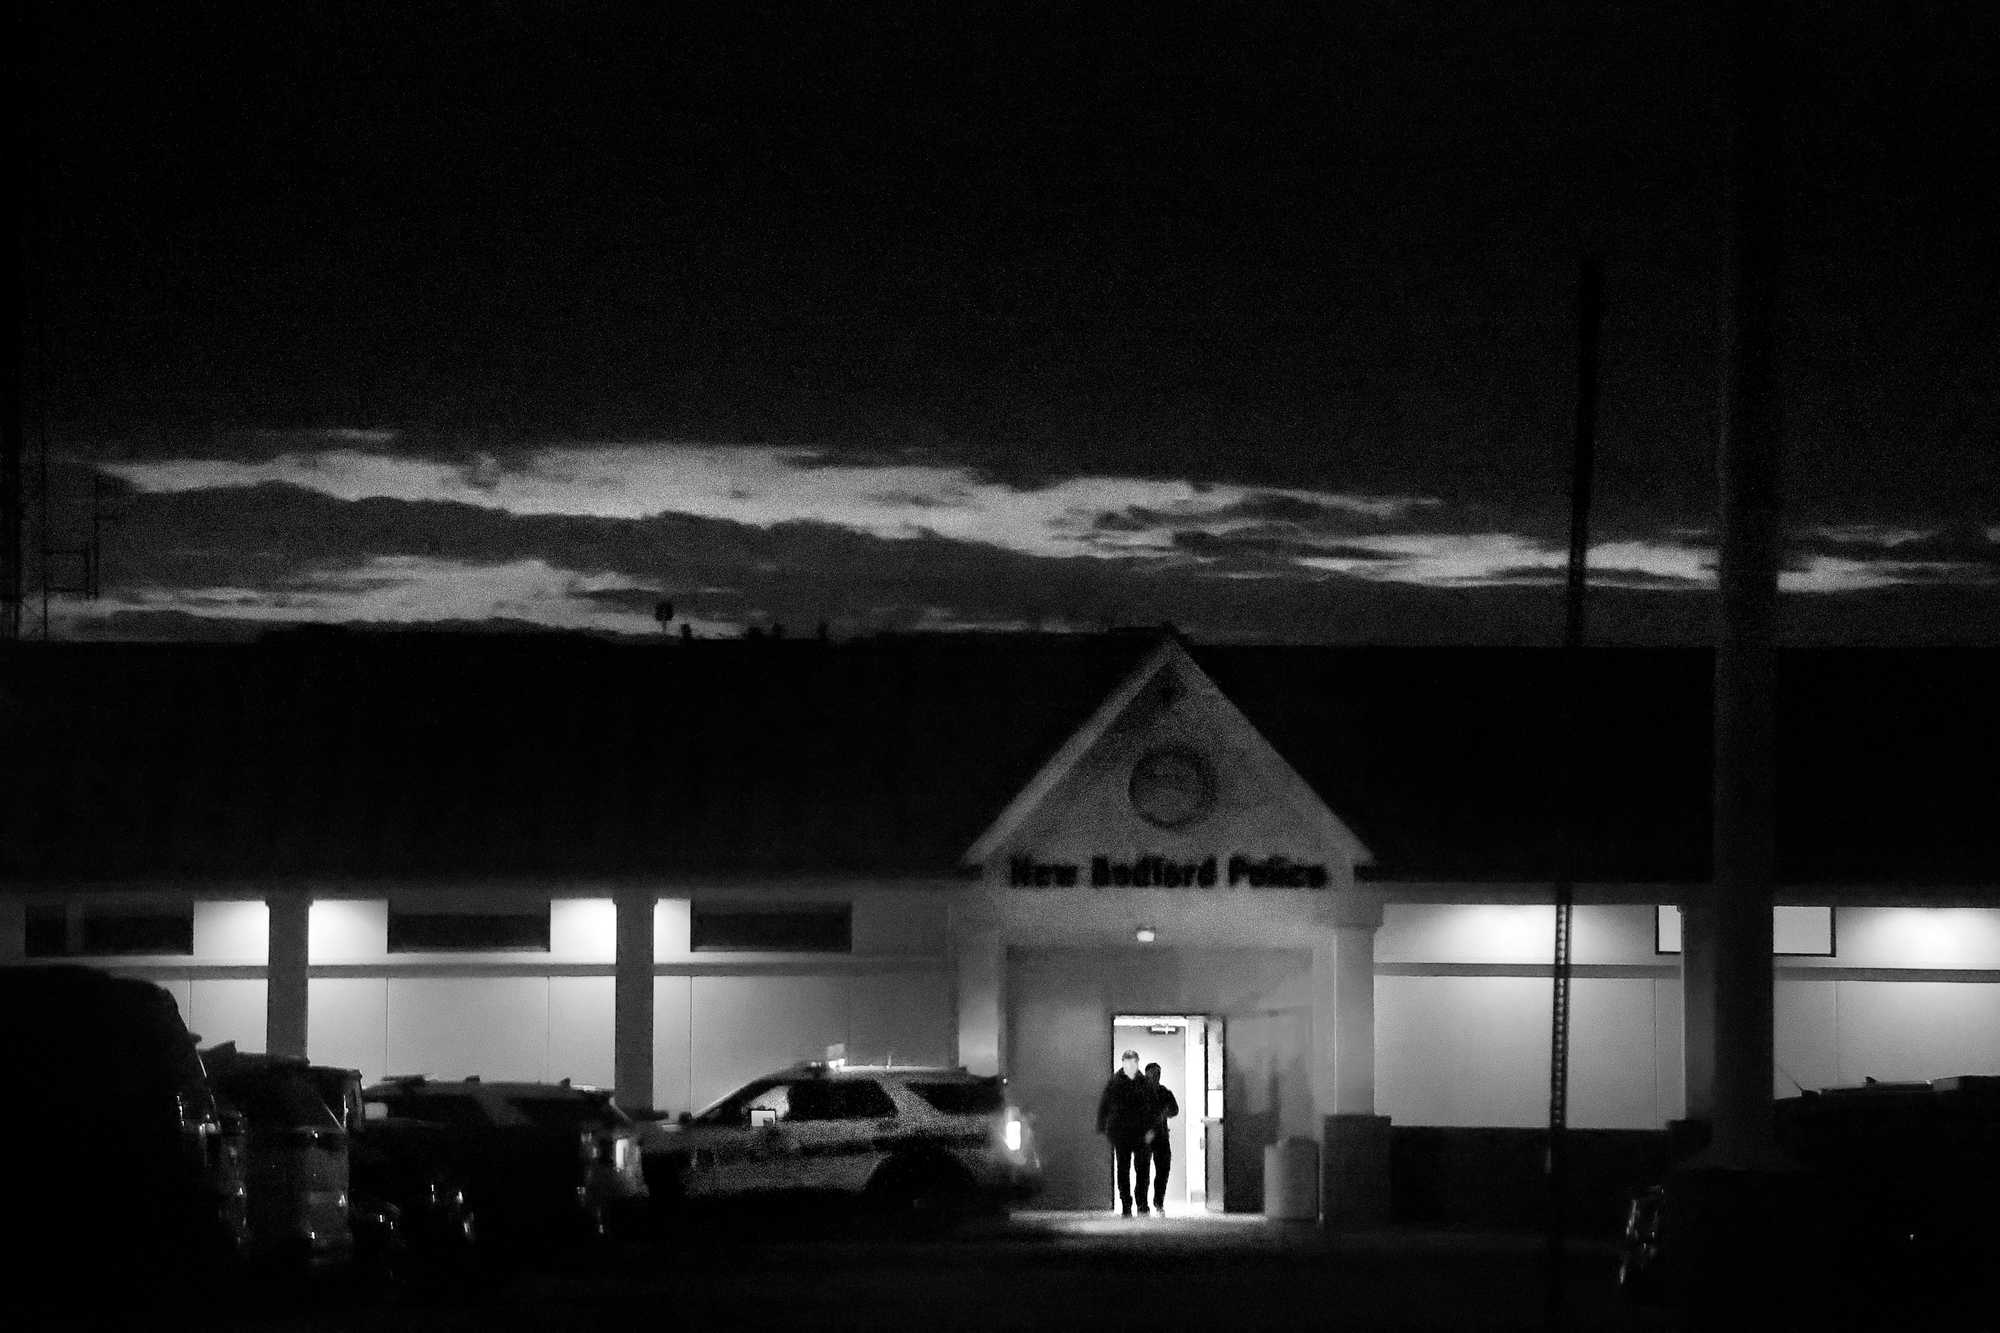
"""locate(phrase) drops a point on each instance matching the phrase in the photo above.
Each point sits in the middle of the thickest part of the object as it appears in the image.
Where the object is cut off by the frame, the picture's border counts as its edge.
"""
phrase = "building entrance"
(1188, 1049)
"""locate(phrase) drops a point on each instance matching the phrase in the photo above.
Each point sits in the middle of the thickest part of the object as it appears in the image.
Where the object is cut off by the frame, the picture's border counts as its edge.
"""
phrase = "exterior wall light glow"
(1145, 935)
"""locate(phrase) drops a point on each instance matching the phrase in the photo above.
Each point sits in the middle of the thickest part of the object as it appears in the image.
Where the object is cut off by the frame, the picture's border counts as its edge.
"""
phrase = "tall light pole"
(1747, 472)
(1730, 1212)
(1589, 317)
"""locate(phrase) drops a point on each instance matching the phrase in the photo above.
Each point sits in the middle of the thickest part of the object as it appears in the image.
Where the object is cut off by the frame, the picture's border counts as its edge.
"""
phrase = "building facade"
(1321, 918)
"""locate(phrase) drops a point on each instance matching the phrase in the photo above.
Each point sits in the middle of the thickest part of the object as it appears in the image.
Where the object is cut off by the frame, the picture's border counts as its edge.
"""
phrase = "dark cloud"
(1268, 506)
(1199, 541)
(279, 546)
(1372, 554)
(1966, 545)
(1275, 550)
(641, 601)
(166, 626)
(1600, 577)
(1614, 576)
(1127, 520)
(913, 500)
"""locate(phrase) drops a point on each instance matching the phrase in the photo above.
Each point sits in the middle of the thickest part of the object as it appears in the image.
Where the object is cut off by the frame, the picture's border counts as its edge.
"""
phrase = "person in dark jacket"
(1124, 1114)
(1159, 1136)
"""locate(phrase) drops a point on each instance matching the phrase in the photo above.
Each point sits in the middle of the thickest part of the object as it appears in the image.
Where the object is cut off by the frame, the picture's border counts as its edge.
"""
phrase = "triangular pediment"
(1168, 767)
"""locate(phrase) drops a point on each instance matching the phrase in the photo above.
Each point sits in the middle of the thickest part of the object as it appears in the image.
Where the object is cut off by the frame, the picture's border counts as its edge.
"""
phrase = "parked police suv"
(917, 1144)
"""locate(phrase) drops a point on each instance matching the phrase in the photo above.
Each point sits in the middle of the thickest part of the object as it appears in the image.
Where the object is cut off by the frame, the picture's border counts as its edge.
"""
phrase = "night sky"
(1028, 316)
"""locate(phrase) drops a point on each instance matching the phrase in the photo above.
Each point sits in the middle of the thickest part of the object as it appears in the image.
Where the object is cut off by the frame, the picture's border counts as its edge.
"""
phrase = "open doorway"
(1188, 1049)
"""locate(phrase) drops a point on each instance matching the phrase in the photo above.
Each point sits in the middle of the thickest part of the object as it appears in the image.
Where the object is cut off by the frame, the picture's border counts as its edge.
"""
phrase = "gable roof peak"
(1170, 659)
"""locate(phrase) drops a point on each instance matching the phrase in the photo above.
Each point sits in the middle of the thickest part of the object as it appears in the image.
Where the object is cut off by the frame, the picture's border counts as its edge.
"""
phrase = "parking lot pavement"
(1037, 1271)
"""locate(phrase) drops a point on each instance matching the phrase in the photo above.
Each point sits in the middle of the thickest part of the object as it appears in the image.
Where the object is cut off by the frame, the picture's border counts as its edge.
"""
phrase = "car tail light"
(1013, 1132)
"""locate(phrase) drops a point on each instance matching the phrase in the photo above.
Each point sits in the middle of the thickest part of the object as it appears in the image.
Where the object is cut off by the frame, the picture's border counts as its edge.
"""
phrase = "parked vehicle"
(118, 1146)
(295, 1156)
(548, 1160)
(916, 1144)
(407, 1164)
(1899, 1179)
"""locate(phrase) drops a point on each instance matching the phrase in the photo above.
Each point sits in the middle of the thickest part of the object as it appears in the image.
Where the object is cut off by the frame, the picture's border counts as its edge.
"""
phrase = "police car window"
(771, 1105)
(842, 1099)
(806, 1101)
(861, 1099)
(983, 1097)
(735, 1108)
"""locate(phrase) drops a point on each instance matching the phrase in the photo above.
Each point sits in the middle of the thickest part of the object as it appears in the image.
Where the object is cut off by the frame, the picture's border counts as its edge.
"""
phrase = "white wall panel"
(905, 1016)
(232, 932)
(347, 1024)
(1669, 1043)
(580, 1030)
(673, 1020)
(1804, 1032)
(1462, 1050)
(1917, 1029)
(495, 1027)
(229, 1010)
(1613, 1083)
(746, 1026)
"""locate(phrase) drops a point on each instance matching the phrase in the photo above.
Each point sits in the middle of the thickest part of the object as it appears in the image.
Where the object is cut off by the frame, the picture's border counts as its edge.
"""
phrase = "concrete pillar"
(1343, 994)
(979, 956)
(982, 1002)
(286, 973)
(1698, 1010)
(1354, 1148)
(632, 1000)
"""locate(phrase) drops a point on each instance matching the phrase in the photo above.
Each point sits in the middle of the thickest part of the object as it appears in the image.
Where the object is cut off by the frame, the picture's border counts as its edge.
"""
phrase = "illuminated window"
(779, 928)
(507, 931)
(1796, 932)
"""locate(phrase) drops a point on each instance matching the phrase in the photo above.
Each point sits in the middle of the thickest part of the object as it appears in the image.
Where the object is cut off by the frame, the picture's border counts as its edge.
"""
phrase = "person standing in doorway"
(1164, 1106)
(1124, 1113)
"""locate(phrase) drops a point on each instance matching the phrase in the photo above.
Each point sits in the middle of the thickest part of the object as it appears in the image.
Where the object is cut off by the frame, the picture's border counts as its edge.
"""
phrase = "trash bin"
(1291, 1180)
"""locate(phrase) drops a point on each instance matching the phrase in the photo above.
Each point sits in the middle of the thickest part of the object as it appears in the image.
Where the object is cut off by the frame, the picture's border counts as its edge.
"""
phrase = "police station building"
(1312, 883)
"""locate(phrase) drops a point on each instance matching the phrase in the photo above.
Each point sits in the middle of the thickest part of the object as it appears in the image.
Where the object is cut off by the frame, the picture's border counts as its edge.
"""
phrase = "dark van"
(408, 1165)
(117, 1153)
(296, 1158)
